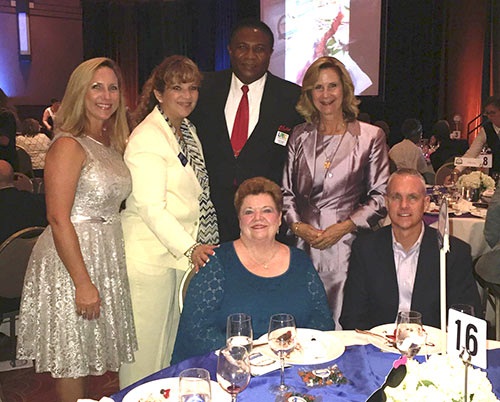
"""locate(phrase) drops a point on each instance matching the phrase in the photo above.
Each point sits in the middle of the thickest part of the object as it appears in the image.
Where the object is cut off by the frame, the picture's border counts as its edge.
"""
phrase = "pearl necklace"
(264, 264)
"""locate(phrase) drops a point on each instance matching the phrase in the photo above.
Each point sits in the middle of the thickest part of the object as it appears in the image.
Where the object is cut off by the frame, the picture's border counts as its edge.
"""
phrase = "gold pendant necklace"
(329, 158)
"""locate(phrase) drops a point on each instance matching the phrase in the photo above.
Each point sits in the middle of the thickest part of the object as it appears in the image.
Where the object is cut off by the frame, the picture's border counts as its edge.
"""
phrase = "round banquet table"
(467, 228)
(364, 365)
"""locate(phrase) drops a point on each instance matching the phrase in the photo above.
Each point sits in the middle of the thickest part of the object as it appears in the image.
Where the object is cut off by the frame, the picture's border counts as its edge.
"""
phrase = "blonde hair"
(305, 105)
(72, 115)
(173, 70)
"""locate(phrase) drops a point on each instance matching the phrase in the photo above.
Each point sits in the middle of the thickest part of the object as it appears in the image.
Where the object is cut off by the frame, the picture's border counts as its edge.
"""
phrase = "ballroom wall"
(56, 46)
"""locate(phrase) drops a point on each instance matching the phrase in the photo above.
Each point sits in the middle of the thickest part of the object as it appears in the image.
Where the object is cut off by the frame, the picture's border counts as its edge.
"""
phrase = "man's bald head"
(6, 174)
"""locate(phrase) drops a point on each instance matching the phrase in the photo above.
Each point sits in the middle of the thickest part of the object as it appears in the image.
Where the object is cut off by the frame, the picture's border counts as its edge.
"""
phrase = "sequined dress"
(50, 331)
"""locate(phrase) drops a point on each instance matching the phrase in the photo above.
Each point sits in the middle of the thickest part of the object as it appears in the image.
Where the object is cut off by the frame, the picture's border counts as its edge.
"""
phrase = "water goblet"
(239, 331)
(194, 385)
(410, 334)
(282, 339)
(233, 370)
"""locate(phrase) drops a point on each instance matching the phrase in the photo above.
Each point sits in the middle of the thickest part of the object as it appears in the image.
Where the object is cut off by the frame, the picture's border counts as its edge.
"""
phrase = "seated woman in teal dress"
(255, 274)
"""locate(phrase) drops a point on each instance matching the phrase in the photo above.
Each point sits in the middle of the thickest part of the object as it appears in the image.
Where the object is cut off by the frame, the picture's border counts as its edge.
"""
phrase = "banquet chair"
(444, 171)
(24, 161)
(15, 252)
(186, 278)
(491, 294)
(22, 182)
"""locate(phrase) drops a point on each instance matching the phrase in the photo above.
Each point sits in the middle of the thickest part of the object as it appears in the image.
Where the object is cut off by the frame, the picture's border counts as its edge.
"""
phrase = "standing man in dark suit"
(271, 117)
(18, 209)
(397, 267)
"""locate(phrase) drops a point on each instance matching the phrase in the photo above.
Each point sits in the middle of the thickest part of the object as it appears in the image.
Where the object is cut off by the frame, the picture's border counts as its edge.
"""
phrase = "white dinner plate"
(152, 389)
(433, 337)
(479, 212)
(316, 347)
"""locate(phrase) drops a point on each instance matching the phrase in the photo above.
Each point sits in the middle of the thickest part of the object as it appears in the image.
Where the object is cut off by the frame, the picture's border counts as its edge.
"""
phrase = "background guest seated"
(35, 143)
(446, 148)
(254, 274)
(18, 209)
(397, 267)
(407, 153)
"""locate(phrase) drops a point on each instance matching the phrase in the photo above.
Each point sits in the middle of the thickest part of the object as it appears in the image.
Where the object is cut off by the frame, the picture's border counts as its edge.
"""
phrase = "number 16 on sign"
(465, 331)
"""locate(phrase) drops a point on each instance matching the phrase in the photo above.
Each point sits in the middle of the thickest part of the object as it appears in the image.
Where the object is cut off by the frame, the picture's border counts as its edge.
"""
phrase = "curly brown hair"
(256, 186)
(173, 70)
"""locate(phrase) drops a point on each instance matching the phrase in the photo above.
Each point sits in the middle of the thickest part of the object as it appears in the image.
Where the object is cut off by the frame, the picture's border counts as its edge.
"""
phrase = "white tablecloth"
(470, 230)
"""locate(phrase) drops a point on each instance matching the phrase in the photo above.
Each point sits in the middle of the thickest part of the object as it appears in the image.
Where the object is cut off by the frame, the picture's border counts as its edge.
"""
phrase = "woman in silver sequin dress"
(76, 315)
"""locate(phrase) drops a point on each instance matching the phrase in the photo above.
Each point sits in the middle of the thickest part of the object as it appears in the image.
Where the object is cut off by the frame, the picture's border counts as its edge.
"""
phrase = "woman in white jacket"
(169, 221)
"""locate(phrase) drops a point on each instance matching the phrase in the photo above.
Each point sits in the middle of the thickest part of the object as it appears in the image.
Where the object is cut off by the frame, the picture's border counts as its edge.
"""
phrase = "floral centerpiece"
(441, 378)
(477, 180)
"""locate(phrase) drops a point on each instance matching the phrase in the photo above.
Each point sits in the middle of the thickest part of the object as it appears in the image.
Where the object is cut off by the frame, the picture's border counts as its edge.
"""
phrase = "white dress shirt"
(406, 269)
(255, 91)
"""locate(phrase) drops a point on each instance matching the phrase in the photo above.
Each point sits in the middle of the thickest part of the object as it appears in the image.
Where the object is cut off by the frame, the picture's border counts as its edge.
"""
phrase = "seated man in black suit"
(397, 267)
(18, 209)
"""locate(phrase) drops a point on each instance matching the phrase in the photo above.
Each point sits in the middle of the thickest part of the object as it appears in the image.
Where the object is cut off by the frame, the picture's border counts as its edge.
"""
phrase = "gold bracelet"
(190, 250)
(295, 226)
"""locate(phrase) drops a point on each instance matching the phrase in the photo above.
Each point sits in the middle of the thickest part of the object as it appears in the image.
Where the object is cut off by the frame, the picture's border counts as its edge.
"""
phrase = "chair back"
(25, 163)
(23, 182)
(444, 171)
(14, 257)
(186, 278)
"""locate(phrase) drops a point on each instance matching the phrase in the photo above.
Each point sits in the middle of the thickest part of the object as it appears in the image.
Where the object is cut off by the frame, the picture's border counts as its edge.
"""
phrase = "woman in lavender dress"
(335, 174)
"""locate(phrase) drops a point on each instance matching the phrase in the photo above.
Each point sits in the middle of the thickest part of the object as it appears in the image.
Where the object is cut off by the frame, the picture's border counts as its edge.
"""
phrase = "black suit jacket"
(19, 210)
(371, 292)
(260, 156)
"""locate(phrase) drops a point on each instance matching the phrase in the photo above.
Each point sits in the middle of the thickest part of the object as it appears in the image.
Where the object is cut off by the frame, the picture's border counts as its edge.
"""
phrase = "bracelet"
(190, 250)
(295, 226)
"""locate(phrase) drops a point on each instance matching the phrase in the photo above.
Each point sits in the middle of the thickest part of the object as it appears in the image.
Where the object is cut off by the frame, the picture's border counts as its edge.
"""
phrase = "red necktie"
(240, 129)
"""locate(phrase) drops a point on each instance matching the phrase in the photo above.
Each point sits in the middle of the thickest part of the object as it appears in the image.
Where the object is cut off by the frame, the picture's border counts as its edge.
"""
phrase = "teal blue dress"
(225, 286)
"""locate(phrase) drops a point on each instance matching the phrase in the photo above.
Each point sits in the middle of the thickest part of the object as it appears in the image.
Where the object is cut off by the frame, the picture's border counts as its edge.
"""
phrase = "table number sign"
(482, 161)
(467, 332)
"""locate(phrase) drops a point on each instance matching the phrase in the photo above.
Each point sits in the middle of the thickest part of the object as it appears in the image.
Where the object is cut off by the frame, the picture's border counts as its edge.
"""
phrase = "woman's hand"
(333, 234)
(88, 302)
(201, 255)
(307, 232)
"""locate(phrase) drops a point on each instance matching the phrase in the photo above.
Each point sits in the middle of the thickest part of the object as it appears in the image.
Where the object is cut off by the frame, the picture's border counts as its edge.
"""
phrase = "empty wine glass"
(239, 331)
(282, 338)
(410, 334)
(233, 370)
(194, 385)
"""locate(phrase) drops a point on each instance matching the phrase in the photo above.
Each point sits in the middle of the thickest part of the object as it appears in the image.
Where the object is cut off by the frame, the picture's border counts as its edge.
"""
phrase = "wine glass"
(194, 385)
(239, 331)
(410, 334)
(282, 338)
(233, 370)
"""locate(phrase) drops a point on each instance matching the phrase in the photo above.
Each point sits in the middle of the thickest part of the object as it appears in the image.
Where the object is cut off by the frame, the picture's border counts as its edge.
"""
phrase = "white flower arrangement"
(476, 180)
(441, 378)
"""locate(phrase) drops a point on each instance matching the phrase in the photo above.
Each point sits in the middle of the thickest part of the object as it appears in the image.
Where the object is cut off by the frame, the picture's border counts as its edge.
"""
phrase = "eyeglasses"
(490, 113)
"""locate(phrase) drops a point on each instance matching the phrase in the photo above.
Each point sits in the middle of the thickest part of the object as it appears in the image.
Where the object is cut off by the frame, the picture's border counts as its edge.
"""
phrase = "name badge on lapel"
(182, 158)
(282, 135)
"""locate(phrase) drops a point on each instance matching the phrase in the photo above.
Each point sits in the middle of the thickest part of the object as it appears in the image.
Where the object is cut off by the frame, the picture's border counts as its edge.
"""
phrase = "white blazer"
(161, 218)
